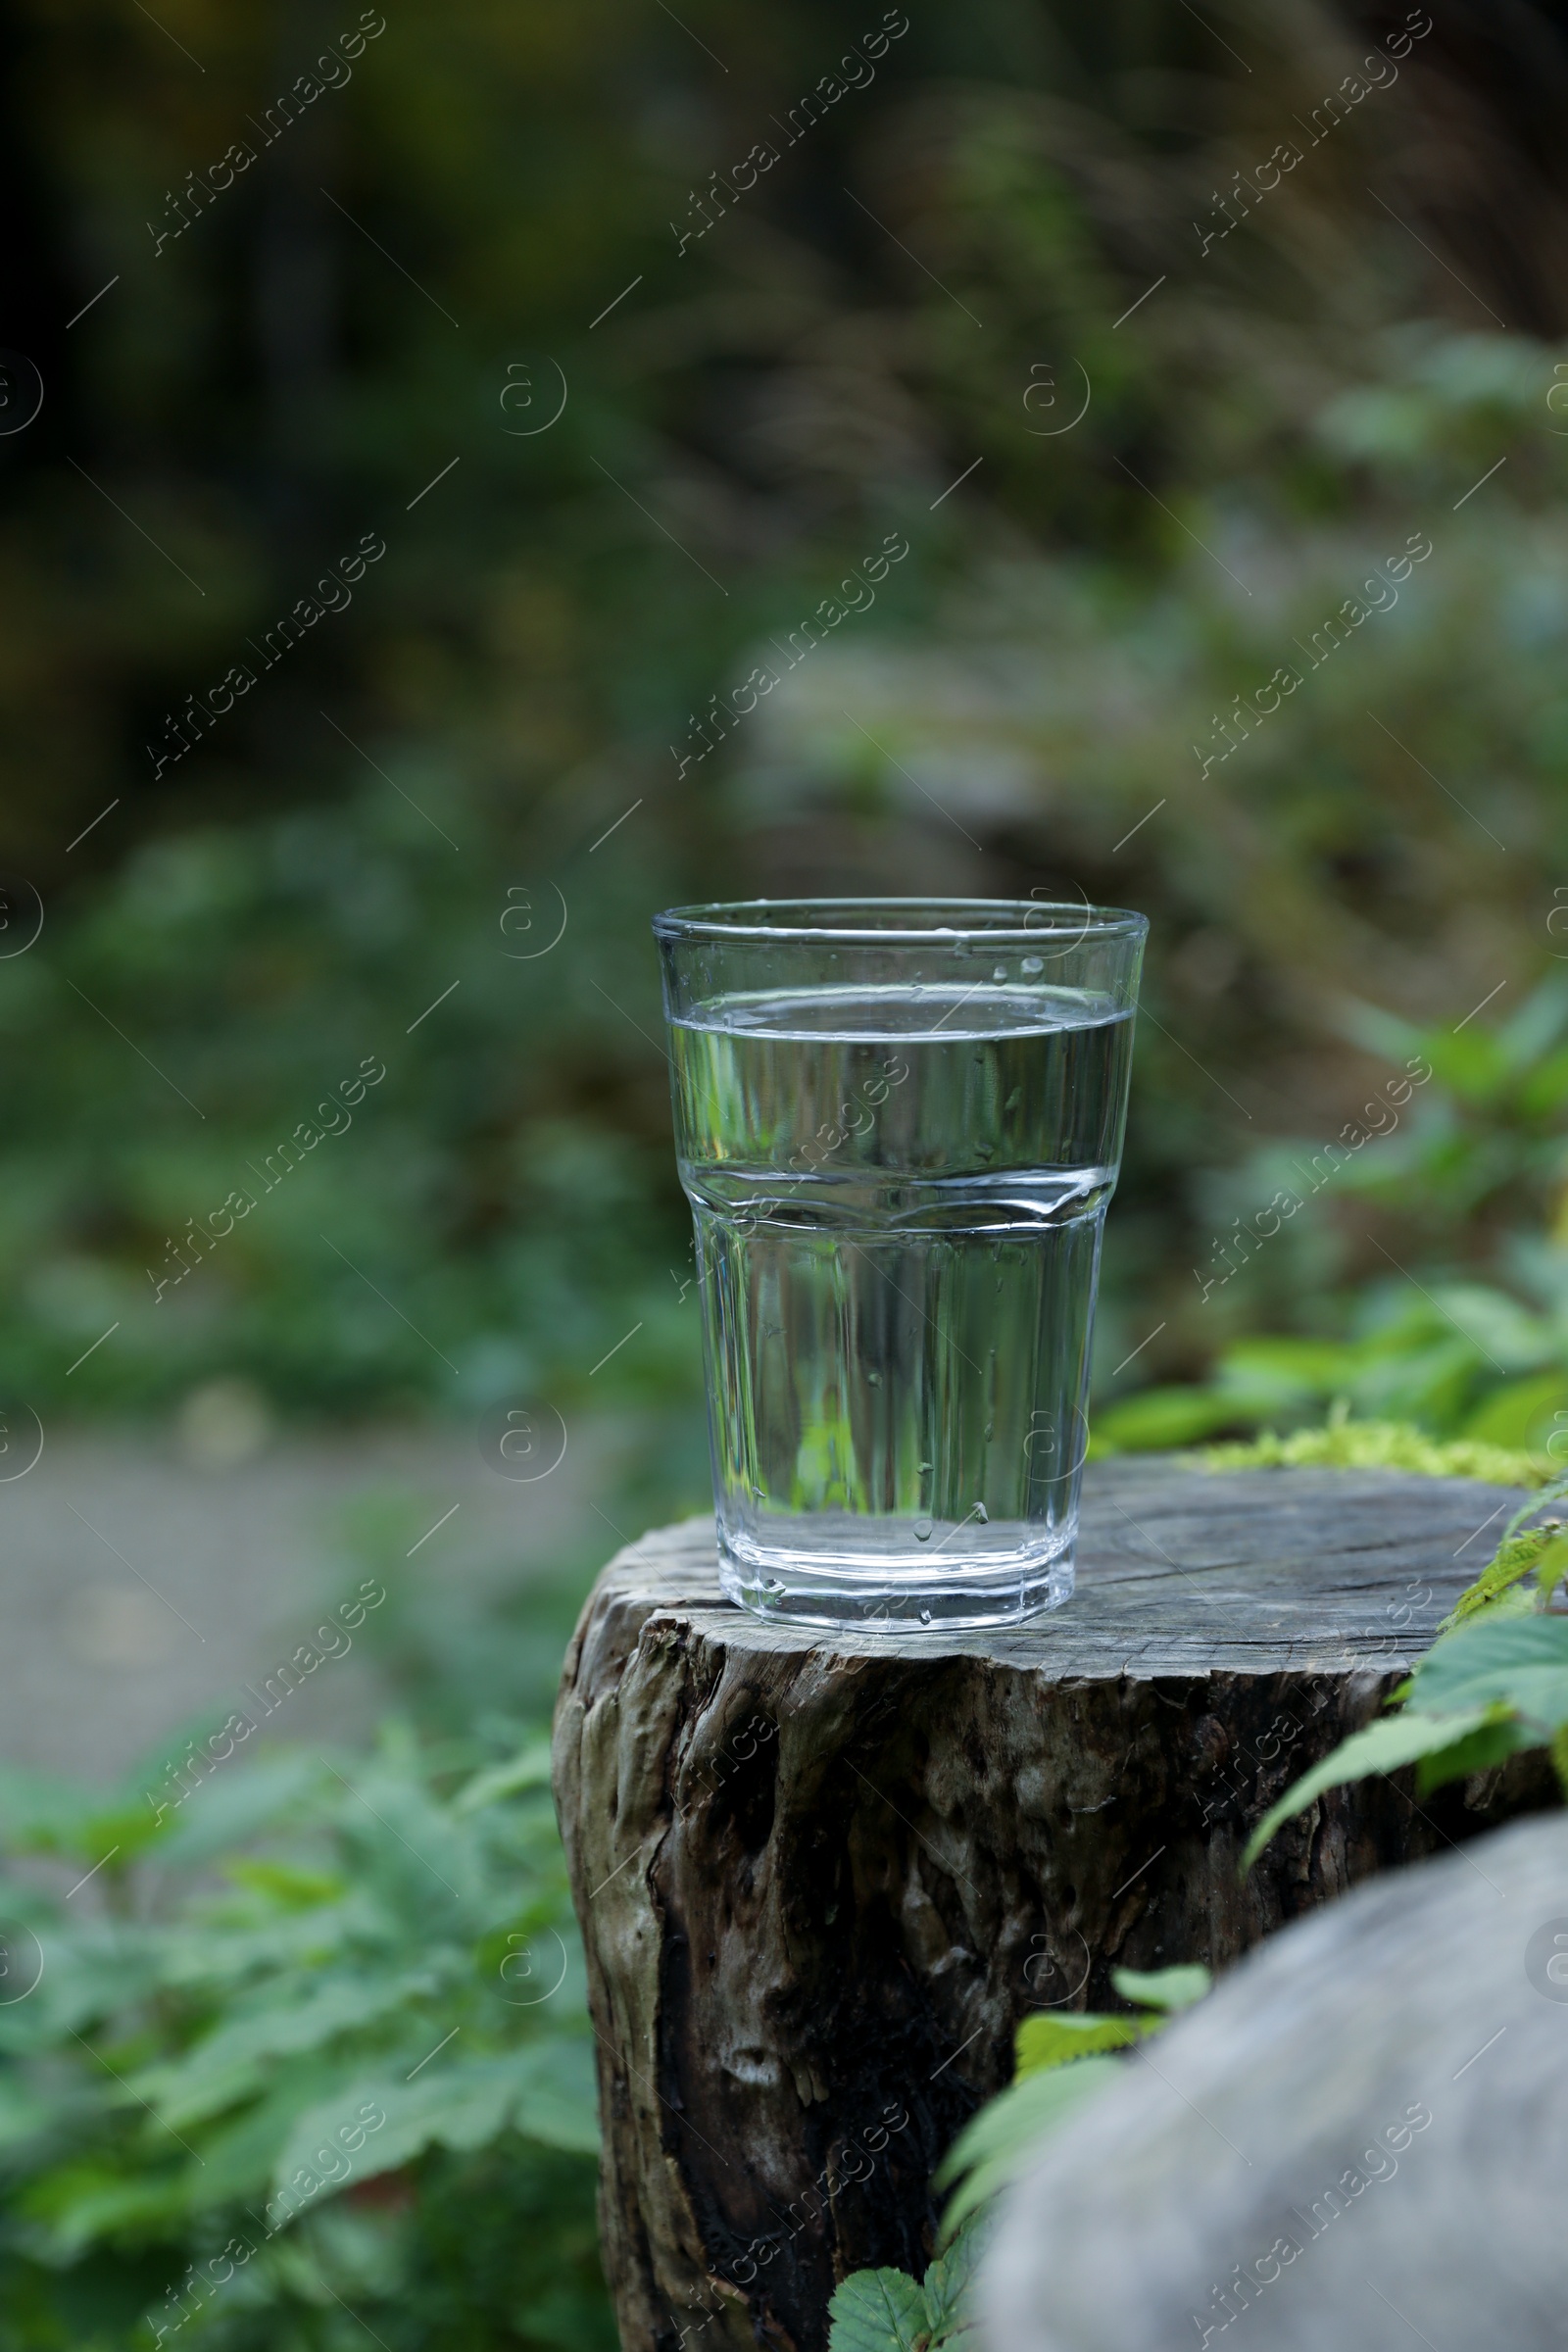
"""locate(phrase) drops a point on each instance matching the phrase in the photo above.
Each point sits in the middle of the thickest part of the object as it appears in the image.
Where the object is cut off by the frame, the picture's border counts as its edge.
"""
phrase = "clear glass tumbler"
(898, 1123)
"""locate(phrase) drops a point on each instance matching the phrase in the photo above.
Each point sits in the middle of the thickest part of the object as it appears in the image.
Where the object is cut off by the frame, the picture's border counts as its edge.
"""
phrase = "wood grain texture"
(819, 1881)
(1359, 2139)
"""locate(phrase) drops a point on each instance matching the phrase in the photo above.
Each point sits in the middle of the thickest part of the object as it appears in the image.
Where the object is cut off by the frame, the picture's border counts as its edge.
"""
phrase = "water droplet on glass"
(874, 1378)
(980, 1511)
(924, 1466)
(1000, 972)
(772, 1589)
(990, 1430)
(924, 1529)
(925, 1616)
(1033, 964)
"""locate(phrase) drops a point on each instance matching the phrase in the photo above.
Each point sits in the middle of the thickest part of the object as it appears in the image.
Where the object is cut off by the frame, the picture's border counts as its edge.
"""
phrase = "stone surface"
(1359, 2138)
(821, 1881)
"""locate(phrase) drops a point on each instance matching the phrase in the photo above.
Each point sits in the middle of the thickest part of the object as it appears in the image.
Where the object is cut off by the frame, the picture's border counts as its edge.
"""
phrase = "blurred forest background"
(492, 209)
(1159, 332)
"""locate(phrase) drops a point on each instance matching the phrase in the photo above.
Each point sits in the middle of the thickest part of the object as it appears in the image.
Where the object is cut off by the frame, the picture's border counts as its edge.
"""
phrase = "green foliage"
(1458, 1330)
(1383, 1746)
(885, 2311)
(949, 2281)
(445, 757)
(1169, 1989)
(1540, 1548)
(1044, 2042)
(353, 2076)
(511, 1240)
(1493, 1683)
(874, 2310)
(996, 2144)
(1053, 2038)
(1059, 2063)
(1500, 1660)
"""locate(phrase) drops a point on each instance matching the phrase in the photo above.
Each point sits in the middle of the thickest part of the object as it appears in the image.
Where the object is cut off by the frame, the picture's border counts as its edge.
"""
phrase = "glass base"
(890, 1597)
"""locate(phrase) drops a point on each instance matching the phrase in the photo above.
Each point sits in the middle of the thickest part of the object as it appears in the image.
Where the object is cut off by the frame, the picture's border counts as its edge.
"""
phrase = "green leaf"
(1552, 1567)
(235, 1801)
(558, 2097)
(1160, 1418)
(214, 1951)
(1520, 1413)
(950, 2282)
(1495, 1324)
(26, 2113)
(1383, 1746)
(545, 2091)
(1517, 1662)
(1514, 1561)
(996, 2144)
(1496, 1739)
(528, 1770)
(1044, 2042)
(877, 2310)
(283, 1883)
(44, 1813)
(239, 2150)
(1555, 1489)
(66, 2209)
(1171, 1988)
(230, 2063)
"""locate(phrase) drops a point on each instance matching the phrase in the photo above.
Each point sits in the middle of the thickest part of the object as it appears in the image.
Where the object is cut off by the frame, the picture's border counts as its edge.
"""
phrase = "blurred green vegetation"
(1469, 1187)
(370, 854)
(312, 2059)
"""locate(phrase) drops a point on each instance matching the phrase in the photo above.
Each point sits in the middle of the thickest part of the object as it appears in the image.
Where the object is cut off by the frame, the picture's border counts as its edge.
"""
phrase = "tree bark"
(820, 1881)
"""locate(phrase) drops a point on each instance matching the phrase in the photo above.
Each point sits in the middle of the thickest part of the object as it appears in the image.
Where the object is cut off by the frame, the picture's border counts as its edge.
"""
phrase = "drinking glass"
(898, 1123)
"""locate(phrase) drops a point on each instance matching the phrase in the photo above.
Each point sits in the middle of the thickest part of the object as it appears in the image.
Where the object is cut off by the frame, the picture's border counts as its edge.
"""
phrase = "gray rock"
(1360, 2140)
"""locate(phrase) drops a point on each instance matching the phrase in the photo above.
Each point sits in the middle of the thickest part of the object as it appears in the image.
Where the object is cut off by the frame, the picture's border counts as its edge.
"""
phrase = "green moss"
(1347, 1444)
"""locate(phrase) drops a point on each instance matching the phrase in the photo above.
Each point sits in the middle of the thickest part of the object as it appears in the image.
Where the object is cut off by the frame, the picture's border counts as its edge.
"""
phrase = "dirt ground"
(144, 1579)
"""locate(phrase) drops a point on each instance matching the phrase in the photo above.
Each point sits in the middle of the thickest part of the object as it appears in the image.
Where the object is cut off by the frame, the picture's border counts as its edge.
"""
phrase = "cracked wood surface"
(820, 1878)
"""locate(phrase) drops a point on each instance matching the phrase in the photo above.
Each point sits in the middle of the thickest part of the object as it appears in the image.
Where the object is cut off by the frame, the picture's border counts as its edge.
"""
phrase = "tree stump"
(821, 1881)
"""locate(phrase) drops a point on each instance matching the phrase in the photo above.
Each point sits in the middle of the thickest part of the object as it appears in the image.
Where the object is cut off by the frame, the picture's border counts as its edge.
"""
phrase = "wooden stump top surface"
(1181, 1572)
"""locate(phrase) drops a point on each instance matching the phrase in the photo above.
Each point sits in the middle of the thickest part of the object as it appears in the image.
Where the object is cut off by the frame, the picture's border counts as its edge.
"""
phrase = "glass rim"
(749, 920)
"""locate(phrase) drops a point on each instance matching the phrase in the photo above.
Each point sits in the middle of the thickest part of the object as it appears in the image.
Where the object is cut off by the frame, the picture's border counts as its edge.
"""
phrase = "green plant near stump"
(1060, 2061)
(308, 2063)
(1494, 1684)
